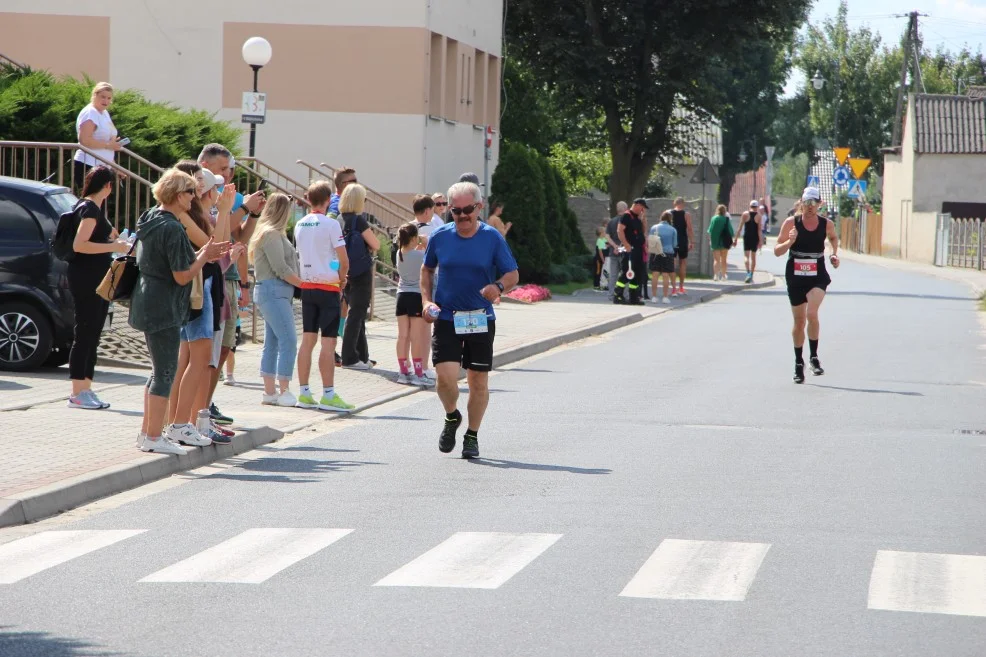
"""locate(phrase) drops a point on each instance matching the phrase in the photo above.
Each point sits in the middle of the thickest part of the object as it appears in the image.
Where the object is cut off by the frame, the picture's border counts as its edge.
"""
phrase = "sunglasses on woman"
(441, 205)
(469, 209)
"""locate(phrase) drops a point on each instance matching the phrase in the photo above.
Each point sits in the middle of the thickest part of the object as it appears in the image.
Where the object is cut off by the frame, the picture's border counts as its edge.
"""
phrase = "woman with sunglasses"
(160, 302)
(803, 237)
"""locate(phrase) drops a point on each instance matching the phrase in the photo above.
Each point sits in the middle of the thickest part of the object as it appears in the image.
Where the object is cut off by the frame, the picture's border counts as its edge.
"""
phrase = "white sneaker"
(666, 300)
(422, 381)
(161, 446)
(230, 381)
(431, 375)
(268, 400)
(404, 379)
(362, 365)
(186, 434)
(286, 399)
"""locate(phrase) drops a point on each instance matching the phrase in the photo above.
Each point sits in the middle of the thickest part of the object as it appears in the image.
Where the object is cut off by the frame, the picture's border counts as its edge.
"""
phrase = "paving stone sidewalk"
(49, 447)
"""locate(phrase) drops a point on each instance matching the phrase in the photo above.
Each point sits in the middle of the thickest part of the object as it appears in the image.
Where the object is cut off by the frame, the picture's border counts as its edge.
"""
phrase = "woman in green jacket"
(720, 239)
(160, 301)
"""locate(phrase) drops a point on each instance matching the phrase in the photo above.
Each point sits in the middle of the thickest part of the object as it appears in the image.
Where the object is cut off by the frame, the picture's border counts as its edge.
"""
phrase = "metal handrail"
(13, 62)
(391, 213)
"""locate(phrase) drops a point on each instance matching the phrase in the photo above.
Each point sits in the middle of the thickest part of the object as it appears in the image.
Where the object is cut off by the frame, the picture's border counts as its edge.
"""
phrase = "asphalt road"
(663, 490)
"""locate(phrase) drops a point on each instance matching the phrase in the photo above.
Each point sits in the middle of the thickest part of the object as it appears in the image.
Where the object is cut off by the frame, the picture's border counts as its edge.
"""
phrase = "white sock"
(305, 390)
(328, 392)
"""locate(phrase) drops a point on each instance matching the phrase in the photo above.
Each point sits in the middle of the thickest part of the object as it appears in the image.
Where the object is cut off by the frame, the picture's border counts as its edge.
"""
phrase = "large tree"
(636, 60)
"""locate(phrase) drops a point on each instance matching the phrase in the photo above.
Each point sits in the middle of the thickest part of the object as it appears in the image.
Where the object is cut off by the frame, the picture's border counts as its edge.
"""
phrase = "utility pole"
(910, 48)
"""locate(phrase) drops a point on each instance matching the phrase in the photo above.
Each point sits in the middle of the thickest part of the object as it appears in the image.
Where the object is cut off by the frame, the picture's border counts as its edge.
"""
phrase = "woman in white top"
(96, 132)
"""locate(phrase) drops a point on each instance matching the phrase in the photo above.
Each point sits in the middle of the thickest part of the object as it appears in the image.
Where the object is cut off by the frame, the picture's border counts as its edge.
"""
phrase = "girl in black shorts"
(412, 331)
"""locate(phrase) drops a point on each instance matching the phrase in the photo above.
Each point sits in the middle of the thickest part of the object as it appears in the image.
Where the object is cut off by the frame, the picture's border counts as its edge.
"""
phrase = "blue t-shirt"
(466, 266)
(668, 236)
(333, 205)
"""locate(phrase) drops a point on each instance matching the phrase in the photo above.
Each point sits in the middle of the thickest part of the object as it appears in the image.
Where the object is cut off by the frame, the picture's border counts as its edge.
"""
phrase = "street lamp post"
(742, 158)
(256, 53)
(819, 83)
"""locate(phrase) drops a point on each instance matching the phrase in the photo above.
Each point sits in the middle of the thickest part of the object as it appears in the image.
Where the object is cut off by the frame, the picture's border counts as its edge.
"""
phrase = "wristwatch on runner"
(499, 286)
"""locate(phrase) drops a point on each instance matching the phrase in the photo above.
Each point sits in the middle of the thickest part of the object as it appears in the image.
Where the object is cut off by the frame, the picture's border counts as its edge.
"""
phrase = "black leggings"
(90, 314)
(358, 294)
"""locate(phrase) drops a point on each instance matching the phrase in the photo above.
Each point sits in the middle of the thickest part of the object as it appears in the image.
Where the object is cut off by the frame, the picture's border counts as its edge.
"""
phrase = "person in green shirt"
(720, 239)
(601, 245)
(160, 302)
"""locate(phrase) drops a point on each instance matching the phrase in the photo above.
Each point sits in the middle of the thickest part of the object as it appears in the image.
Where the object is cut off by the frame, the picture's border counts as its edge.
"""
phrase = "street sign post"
(857, 189)
(841, 176)
(254, 107)
(814, 181)
(841, 155)
(859, 166)
(705, 174)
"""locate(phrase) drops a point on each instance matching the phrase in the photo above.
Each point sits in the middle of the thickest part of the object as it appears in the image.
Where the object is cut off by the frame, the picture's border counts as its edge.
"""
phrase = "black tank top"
(808, 243)
(681, 225)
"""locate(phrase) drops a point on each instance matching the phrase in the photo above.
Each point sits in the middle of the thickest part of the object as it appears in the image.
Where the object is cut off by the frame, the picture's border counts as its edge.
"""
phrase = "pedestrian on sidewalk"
(361, 246)
(159, 304)
(95, 241)
(720, 241)
(662, 240)
(441, 205)
(324, 268)
(459, 302)
(631, 234)
(682, 222)
(615, 257)
(496, 218)
(412, 331)
(749, 228)
(197, 335)
(95, 130)
(600, 259)
(275, 263)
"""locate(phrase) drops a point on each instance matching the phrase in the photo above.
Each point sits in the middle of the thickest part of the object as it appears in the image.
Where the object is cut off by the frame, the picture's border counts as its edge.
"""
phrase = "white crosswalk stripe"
(698, 570)
(252, 557)
(33, 554)
(480, 560)
(931, 583)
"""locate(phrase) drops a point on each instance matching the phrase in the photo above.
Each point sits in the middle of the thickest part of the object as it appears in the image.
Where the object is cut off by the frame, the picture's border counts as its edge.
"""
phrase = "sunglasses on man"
(469, 209)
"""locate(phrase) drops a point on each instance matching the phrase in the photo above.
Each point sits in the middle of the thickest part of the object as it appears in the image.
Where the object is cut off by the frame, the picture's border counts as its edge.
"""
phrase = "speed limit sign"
(254, 107)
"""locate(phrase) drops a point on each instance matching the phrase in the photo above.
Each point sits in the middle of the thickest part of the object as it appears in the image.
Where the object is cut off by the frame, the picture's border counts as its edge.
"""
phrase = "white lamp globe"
(257, 51)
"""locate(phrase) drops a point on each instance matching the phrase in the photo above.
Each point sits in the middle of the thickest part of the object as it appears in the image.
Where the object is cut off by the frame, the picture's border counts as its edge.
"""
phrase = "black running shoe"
(470, 447)
(799, 372)
(446, 442)
(619, 300)
(816, 367)
(218, 417)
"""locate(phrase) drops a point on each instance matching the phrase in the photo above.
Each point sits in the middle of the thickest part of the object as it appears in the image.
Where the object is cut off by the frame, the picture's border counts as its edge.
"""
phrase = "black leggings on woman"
(90, 314)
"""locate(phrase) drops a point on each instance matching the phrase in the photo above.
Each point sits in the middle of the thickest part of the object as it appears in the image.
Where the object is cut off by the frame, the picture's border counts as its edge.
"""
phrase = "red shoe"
(223, 430)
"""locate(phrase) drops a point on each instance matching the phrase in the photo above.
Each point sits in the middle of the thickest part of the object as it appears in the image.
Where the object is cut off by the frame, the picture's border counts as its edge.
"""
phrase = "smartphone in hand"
(125, 141)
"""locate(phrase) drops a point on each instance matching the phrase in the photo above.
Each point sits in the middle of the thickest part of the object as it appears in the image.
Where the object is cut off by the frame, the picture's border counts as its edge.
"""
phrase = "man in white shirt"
(324, 266)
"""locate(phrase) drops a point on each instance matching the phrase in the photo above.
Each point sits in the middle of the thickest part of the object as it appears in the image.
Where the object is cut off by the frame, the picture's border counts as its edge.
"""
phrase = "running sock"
(305, 390)
(813, 348)
(419, 369)
(471, 433)
(328, 391)
(799, 354)
(454, 416)
(403, 364)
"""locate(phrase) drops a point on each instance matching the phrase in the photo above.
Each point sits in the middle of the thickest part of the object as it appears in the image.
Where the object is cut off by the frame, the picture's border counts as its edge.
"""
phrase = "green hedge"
(37, 106)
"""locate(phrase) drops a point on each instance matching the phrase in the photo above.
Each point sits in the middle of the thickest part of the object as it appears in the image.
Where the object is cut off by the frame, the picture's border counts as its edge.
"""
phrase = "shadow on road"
(516, 465)
(300, 466)
(29, 644)
(902, 393)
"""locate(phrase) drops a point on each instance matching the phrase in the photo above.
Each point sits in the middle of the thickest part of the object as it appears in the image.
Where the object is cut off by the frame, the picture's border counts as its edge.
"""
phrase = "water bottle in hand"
(434, 312)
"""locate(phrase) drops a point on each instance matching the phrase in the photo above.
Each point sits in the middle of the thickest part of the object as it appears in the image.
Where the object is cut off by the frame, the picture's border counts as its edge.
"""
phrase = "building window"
(493, 92)
(436, 79)
(452, 82)
(479, 84)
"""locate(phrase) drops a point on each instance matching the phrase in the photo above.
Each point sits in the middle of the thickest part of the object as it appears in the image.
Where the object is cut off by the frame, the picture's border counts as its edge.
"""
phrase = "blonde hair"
(172, 183)
(721, 210)
(353, 199)
(273, 219)
(99, 88)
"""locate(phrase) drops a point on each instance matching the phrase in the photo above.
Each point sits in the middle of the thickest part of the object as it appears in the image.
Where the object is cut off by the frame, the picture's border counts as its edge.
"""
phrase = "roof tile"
(949, 124)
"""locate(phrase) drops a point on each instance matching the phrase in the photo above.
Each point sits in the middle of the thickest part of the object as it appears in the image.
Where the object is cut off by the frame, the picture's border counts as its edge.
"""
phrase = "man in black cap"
(631, 233)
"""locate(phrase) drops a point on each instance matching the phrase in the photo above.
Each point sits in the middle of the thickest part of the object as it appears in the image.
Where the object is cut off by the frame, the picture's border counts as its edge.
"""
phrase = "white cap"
(754, 204)
(209, 180)
(811, 194)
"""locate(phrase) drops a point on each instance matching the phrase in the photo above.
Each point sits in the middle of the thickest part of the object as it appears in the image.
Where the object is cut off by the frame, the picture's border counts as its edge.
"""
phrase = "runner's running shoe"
(799, 372)
(816, 367)
(446, 442)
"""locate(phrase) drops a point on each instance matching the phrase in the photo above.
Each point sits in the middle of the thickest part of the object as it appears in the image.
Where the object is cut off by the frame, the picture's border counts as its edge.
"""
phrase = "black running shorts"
(682, 252)
(320, 311)
(473, 351)
(409, 304)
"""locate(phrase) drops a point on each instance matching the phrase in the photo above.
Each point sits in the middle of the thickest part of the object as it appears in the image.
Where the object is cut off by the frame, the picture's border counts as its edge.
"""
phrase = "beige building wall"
(898, 194)
(352, 83)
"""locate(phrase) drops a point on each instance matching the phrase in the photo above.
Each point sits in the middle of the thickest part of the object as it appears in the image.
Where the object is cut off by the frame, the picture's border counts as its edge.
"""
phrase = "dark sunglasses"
(441, 205)
(469, 209)
(191, 191)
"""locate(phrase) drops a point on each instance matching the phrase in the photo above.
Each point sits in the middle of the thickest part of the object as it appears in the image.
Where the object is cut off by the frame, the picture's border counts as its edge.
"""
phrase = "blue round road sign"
(841, 176)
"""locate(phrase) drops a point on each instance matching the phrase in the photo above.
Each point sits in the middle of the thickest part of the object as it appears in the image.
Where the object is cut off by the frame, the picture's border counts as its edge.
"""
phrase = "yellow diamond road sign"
(841, 154)
(859, 166)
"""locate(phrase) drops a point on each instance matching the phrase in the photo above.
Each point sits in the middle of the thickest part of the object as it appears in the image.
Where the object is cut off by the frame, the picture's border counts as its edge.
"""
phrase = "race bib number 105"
(805, 267)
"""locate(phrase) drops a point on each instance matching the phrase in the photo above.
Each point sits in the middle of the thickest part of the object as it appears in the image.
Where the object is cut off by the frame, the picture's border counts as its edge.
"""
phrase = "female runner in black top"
(803, 237)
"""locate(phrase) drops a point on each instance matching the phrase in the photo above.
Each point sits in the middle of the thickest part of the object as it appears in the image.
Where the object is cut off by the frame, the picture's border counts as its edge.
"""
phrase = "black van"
(36, 311)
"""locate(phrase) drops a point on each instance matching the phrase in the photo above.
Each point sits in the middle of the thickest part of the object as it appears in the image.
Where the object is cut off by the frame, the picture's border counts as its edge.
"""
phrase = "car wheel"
(25, 337)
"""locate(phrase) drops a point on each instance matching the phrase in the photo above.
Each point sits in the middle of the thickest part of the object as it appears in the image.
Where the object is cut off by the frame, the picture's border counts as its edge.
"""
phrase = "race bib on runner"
(805, 267)
(470, 321)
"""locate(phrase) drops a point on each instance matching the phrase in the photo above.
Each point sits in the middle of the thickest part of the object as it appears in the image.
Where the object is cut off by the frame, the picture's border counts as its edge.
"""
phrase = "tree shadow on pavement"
(300, 466)
(516, 465)
(303, 448)
(32, 644)
(902, 393)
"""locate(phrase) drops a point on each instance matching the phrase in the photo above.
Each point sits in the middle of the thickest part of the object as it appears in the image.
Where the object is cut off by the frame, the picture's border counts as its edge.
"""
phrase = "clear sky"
(952, 23)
